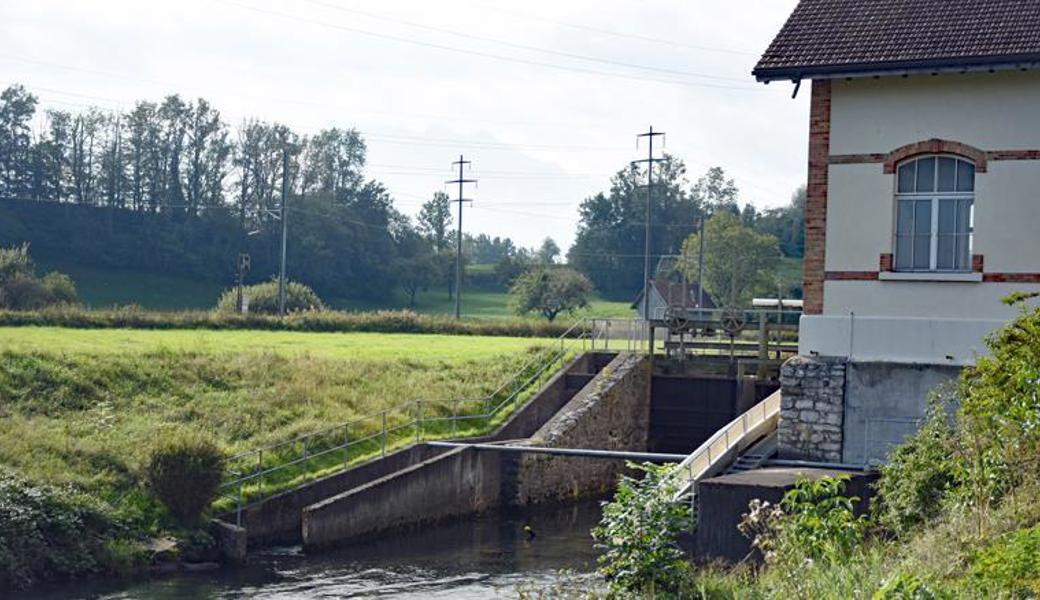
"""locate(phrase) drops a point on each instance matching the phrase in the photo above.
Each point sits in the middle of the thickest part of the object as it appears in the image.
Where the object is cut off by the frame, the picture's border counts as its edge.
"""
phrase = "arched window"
(934, 214)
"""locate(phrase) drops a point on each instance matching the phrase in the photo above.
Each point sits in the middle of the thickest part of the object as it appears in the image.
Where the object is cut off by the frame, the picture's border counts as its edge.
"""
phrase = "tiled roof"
(835, 37)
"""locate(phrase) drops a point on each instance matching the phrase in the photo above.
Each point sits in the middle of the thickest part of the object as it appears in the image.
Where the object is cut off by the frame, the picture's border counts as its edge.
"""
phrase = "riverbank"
(488, 556)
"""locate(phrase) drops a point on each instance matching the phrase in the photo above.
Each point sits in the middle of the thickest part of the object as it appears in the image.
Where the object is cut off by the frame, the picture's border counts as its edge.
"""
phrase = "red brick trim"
(816, 196)
(936, 146)
(1014, 154)
(885, 262)
(978, 263)
(851, 275)
(856, 159)
(1011, 277)
(980, 157)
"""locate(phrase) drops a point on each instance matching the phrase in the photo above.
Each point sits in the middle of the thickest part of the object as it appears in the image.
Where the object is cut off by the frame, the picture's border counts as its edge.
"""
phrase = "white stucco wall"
(987, 110)
(999, 111)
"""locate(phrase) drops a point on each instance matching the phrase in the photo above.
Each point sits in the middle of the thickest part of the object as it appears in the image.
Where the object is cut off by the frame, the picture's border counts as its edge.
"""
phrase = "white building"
(923, 206)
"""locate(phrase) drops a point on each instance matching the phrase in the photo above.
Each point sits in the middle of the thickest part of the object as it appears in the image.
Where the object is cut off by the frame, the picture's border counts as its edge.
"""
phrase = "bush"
(1011, 566)
(20, 289)
(263, 298)
(639, 534)
(61, 288)
(184, 470)
(49, 533)
(919, 474)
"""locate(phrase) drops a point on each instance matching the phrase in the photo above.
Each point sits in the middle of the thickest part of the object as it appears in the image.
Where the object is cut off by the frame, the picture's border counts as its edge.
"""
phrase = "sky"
(545, 98)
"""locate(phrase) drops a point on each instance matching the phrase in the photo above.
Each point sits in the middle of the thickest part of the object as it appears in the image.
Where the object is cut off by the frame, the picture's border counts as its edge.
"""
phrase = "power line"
(619, 34)
(482, 54)
(509, 44)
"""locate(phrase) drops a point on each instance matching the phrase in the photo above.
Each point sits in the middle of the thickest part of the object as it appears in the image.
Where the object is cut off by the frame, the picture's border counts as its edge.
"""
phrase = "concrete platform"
(722, 502)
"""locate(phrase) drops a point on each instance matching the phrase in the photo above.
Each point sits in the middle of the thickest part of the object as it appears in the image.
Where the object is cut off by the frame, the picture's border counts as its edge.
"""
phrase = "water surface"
(489, 556)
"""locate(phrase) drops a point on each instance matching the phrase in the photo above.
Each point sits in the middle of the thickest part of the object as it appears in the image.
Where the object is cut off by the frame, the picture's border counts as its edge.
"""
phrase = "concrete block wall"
(459, 482)
(611, 413)
(812, 409)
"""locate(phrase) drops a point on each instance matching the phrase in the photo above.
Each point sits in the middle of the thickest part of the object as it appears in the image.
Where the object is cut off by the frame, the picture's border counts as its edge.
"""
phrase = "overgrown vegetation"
(132, 317)
(21, 289)
(955, 516)
(49, 533)
(639, 534)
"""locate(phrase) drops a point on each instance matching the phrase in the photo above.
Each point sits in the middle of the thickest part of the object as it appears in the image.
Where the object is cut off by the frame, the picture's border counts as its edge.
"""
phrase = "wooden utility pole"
(282, 215)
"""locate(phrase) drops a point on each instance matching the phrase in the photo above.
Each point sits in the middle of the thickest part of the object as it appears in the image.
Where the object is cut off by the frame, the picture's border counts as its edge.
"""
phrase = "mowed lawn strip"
(365, 346)
(84, 406)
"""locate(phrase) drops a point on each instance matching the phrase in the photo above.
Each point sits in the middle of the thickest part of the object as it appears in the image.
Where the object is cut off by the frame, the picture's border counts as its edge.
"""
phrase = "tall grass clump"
(184, 470)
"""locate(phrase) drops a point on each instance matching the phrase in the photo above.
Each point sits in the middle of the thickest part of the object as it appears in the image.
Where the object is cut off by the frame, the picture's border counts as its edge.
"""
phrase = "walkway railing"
(721, 447)
(254, 474)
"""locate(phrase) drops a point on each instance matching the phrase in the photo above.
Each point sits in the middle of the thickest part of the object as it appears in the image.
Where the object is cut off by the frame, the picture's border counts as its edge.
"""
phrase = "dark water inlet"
(489, 556)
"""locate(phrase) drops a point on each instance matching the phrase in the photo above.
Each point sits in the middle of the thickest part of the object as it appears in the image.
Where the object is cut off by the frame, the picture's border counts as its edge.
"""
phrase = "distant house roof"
(833, 38)
(672, 292)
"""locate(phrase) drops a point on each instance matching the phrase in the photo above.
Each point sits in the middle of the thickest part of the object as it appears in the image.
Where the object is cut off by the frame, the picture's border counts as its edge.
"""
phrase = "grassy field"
(84, 406)
(485, 305)
(104, 288)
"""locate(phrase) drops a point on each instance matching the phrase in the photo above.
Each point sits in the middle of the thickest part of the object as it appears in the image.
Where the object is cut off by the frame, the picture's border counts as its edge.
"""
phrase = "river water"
(489, 556)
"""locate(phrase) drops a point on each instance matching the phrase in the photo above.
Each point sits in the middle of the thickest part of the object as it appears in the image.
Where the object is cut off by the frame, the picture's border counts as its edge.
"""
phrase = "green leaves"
(639, 534)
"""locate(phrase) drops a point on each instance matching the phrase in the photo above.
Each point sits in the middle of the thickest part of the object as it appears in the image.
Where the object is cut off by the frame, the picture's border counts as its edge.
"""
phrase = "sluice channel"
(485, 556)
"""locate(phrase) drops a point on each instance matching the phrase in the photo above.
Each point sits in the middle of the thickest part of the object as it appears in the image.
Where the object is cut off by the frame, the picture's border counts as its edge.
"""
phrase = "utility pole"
(282, 215)
(649, 160)
(700, 261)
(461, 181)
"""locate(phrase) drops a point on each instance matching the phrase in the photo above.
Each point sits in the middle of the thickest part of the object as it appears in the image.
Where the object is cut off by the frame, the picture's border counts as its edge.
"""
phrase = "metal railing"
(253, 474)
(735, 436)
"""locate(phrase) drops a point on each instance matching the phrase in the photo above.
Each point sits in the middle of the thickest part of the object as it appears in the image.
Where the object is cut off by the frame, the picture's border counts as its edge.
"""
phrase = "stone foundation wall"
(812, 409)
(610, 413)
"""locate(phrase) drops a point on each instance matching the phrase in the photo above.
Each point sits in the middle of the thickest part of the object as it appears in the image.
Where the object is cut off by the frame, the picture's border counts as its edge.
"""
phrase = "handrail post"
(383, 445)
(454, 417)
(418, 421)
(346, 445)
(238, 511)
(260, 472)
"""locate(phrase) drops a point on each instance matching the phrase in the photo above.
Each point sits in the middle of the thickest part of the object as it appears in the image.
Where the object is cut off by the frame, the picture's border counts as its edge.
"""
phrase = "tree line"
(609, 247)
(170, 187)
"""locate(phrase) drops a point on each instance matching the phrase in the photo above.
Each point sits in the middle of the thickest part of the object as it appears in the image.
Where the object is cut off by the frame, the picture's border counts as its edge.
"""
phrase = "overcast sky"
(544, 97)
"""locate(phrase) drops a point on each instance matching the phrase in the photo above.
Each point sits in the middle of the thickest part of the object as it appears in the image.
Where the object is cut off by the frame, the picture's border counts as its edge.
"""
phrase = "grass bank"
(83, 407)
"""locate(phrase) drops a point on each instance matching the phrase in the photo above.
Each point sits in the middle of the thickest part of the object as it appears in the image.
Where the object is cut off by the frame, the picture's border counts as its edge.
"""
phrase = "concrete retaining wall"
(884, 403)
(277, 520)
(723, 501)
(459, 482)
(611, 413)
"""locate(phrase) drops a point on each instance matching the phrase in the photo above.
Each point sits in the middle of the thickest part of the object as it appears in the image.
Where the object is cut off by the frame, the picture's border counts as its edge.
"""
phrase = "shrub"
(1010, 566)
(20, 289)
(184, 471)
(907, 587)
(919, 474)
(49, 533)
(639, 534)
(61, 288)
(263, 298)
